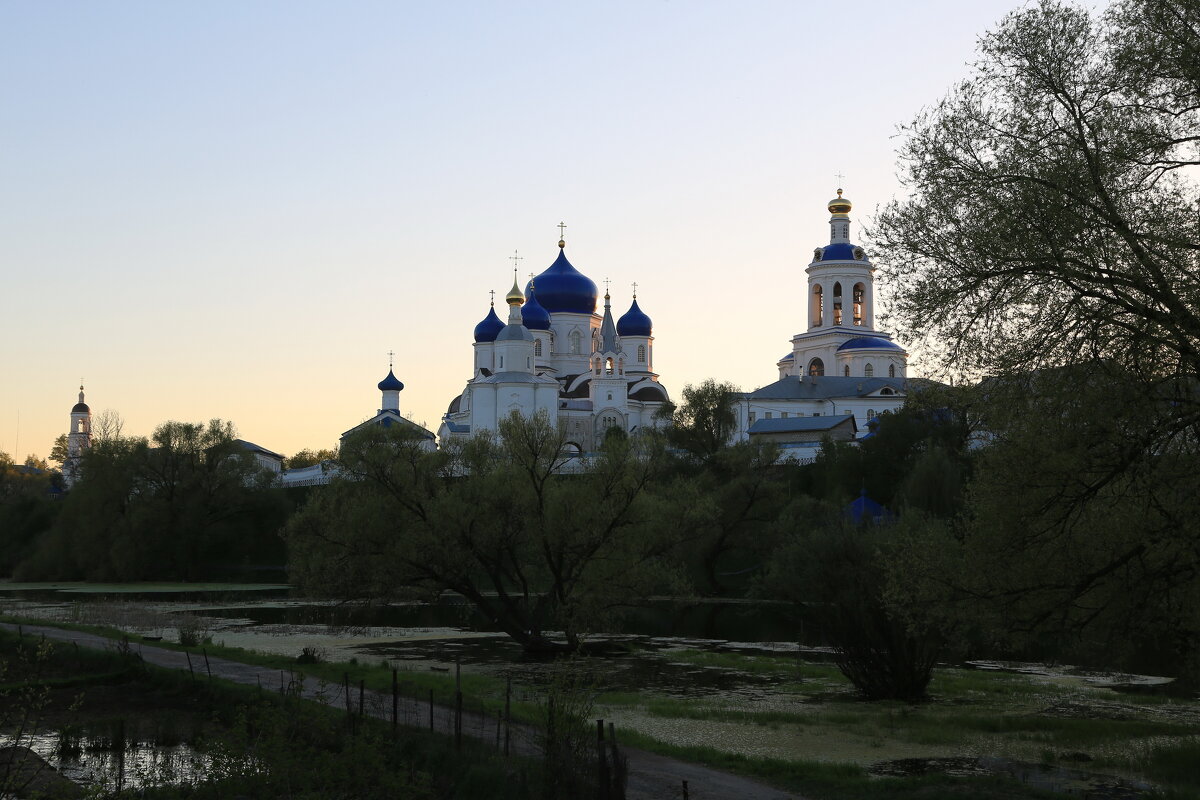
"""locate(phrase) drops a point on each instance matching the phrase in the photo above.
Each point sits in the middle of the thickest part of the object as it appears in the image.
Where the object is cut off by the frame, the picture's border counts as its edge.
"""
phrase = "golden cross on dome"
(516, 259)
(561, 227)
(492, 292)
(635, 290)
(840, 178)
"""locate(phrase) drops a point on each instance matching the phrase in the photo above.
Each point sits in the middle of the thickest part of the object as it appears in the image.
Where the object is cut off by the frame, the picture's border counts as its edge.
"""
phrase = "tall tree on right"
(1050, 238)
(1050, 213)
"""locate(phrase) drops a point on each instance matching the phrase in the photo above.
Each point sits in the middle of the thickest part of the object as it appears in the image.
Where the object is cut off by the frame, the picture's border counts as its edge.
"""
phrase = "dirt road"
(651, 776)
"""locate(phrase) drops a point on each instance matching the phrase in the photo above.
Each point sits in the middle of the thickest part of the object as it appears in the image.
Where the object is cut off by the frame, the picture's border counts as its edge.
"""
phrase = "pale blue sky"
(236, 209)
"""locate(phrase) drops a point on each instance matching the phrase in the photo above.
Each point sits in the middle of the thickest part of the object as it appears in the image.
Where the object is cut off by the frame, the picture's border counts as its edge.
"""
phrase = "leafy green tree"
(837, 578)
(308, 457)
(187, 504)
(1050, 215)
(705, 423)
(493, 520)
(58, 453)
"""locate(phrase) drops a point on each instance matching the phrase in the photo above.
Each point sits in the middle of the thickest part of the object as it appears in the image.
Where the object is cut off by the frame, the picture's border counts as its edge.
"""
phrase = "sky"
(236, 210)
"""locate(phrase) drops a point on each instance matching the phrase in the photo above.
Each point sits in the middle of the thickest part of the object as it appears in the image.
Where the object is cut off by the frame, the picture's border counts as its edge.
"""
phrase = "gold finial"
(606, 282)
(562, 239)
(492, 292)
(514, 296)
(839, 206)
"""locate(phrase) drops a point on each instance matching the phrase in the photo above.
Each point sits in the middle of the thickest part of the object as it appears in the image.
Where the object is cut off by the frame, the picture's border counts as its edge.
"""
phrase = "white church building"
(841, 372)
(556, 354)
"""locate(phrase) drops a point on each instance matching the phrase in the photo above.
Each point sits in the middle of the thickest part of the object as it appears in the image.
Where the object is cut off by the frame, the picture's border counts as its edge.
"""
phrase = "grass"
(969, 711)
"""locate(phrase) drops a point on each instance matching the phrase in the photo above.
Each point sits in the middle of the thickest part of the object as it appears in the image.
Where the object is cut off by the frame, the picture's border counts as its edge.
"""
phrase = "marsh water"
(438, 636)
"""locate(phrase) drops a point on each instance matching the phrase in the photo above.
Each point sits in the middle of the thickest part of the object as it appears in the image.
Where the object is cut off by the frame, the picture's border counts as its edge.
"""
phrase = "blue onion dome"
(533, 315)
(391, 383)
(634, 322)
(841, 251)
(868, 343)
(80, 408)
(491, 325)
(562, 288)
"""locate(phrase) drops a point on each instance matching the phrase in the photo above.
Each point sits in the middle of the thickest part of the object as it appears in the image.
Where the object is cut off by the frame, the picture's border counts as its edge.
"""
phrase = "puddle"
(1045, 777)
(93, 761)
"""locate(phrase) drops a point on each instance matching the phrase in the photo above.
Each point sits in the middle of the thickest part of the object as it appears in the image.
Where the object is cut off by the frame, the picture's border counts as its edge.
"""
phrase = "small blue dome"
(491, 325)
(868, 343)
(634, 322)
(533, 315)
(838, 252)
(562, 288)
(391, 383)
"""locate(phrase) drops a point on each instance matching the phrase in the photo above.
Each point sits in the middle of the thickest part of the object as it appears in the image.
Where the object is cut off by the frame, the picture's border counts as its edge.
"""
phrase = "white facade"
(840, 364)
(557, 355)
(79, 439)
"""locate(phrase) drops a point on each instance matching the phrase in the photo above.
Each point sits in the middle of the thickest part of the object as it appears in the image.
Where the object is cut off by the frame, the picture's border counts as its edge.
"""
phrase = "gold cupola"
(839, 206)
(514, 296)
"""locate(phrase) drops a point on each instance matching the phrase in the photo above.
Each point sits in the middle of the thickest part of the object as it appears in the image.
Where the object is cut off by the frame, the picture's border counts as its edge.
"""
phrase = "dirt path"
(651, 776)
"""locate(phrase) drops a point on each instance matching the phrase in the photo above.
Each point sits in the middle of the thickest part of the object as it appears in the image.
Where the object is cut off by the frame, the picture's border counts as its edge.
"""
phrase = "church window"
(891, 370)
(846, 370)
(886, 390)
(528, 362)
(869, 370)
(753, 416)
(783, 415)
(537, 348)
(610, 395)
(575, 341)
(837, 303)
(859, 292)
(767, 415)
(818, 309)
(608, 366)
(501, 362)
(870, 413)
(816, 413)
(816, 368)
(641, 354)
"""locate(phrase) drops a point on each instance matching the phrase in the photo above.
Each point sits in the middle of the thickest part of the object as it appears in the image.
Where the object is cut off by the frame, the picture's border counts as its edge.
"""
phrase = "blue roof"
(799, 424)
(868, 342)
(563, 288)
(789, 357)
(863, 506)
(514, 332)
(391, 383)
(533, 316)
(839, 251)
(825, 387)
(491, 325)
(634, 322)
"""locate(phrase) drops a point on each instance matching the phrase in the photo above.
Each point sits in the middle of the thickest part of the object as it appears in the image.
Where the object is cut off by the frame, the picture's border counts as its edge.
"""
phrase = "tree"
(308, 457)
(493, 520)
(1050, 214)
(59, 452)
(107, 425)
(706, 421)
(187, 504)
(1050, 238)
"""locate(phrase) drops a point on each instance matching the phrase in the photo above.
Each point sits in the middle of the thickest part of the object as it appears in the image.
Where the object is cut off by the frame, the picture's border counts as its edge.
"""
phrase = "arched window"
(575, 340)
(537, 347)
(501, 362)
(817, 307)
(870, 413)
(816, 367)
(869, 371)
(641, 354)
(846, 370)
(891, 370)
(837, 303)
(608, 367)
(859, 293)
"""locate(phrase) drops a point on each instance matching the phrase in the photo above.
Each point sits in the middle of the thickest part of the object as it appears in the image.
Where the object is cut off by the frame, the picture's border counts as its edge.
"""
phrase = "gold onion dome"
(514, 296)
(839, 205)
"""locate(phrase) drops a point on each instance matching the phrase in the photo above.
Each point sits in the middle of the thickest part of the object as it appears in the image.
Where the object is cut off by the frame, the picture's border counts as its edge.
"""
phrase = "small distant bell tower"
(79, 439)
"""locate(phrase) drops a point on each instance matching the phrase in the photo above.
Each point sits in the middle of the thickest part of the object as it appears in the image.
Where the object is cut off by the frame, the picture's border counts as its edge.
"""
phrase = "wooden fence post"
(395, 700)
